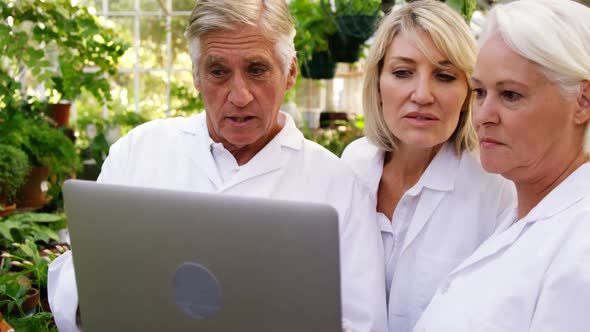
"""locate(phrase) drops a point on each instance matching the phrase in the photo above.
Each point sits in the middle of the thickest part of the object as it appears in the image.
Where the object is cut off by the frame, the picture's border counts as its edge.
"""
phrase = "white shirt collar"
(289, 136)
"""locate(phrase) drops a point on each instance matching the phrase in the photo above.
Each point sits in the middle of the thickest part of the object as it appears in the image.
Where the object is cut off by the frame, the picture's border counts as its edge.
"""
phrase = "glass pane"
(180, 57)
(123, 93)
(184, 98)
(152, 5)
(152, 50)
(183, 5)
(152, 95)
(121, 5)
(96, 4)
(124, 28)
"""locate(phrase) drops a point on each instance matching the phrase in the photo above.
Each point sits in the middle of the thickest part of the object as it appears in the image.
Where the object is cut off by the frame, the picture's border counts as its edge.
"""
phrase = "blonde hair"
(452, 37)
(271, 16)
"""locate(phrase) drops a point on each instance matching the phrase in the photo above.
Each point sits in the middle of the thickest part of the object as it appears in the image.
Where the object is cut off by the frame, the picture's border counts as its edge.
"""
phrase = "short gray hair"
(271, 16)
(554, 34)
(450, 34)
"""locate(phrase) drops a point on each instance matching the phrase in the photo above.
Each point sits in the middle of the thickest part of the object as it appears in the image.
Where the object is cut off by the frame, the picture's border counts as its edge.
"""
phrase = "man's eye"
(257, 70)
(216, 72)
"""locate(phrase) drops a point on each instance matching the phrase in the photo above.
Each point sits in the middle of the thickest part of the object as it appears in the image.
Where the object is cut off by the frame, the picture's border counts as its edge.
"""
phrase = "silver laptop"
(161, 260)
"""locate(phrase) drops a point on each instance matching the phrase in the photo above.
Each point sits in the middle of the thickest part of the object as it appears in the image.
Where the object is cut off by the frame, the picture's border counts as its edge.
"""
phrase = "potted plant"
(49, 152)
(54, 42)
(14, 168)
(313, 28)
(356, 21)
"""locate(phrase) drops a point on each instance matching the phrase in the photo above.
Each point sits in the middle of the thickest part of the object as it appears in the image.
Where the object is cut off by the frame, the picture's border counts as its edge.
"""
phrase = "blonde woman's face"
(421, 101)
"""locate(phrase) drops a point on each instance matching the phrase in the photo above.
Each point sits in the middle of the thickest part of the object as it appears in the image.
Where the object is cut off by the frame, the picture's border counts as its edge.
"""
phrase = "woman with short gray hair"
(532, 108)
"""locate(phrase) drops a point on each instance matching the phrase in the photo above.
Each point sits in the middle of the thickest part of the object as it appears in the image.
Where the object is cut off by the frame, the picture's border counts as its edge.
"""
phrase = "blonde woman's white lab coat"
(177, 154)
(452, 209)
(533, 275)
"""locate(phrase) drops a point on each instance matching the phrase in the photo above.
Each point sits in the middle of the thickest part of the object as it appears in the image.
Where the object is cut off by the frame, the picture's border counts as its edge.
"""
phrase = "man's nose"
(240, 94)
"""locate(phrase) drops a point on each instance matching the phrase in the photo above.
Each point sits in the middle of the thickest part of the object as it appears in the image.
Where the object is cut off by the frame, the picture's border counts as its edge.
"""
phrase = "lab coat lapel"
(273, 156)
(494, 245)
(426, 207)
(269, 159)
(437, 180)
(197, 146)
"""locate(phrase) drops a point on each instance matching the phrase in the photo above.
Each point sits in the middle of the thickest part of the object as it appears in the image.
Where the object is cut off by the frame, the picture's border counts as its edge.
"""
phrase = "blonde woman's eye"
(402, 73)
(445, 77)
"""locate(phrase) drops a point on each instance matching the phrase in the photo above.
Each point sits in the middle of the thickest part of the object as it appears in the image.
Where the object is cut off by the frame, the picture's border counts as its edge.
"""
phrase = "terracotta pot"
(31, 195)
(7, 209)
(60, 113)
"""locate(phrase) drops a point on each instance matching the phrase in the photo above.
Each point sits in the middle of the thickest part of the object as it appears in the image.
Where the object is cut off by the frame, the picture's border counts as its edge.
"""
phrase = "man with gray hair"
(243, 63)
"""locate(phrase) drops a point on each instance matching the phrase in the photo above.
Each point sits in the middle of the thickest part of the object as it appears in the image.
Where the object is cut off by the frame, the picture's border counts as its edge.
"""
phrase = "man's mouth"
(240, 119)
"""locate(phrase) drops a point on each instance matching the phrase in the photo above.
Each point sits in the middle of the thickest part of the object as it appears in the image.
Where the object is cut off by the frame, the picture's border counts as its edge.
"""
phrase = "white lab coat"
(453, 208)
(532, 275)
(175, 154)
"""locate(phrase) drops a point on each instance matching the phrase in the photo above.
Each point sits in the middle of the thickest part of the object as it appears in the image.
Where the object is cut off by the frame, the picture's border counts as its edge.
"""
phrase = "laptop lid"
(162, 260)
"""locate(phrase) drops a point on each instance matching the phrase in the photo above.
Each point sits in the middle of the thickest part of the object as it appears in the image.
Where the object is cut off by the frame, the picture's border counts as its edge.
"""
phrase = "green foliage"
(337, 137)
(464, 7)
(14, 168)
(356, 7)
(13, 290)
(44, 145)
(39, 322)
(312, 25)
(40, 227)
(95, 139)
(53, 41)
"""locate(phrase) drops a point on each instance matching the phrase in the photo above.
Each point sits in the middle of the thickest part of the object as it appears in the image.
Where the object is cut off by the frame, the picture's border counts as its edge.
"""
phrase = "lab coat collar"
(439, 177)
(441, 173)
(574, 188)
(267, 160)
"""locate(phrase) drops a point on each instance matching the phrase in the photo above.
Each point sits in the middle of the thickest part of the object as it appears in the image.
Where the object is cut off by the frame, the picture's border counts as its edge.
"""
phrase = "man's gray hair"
(271, 16)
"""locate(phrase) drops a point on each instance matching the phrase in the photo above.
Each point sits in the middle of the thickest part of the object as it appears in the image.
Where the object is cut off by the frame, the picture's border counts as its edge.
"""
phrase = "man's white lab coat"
(440, 221)
(176, 154)
(532, 275)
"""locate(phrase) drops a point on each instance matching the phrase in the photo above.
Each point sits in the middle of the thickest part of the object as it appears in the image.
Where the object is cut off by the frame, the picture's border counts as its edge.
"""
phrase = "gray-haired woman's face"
(525, 125)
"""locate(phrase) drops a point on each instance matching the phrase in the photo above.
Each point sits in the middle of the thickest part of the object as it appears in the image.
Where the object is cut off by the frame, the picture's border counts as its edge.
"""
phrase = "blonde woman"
(531, 110)
(435, 203)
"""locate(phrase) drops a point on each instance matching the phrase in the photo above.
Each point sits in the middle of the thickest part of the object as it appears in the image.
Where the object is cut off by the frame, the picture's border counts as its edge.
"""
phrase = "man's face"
(242, 83)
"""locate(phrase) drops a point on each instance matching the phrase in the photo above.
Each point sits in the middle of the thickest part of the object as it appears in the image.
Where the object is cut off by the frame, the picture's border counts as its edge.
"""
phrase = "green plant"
(39, 227)
(44, 145)
(357, 7)
(54, 41)
(337, 138)
(39, 322)
(313, 26)
(13, 290)
(14, 167)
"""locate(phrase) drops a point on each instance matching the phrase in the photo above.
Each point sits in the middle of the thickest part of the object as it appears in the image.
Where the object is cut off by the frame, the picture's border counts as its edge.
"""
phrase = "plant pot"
(60, 113)
(360, 27)
(345, 50)
(321, 66)
(31, 196)
(7, 209)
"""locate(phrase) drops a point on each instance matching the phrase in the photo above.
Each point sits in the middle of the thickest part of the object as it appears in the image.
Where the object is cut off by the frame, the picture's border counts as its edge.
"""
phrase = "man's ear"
(292, 74)
(582, 114)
